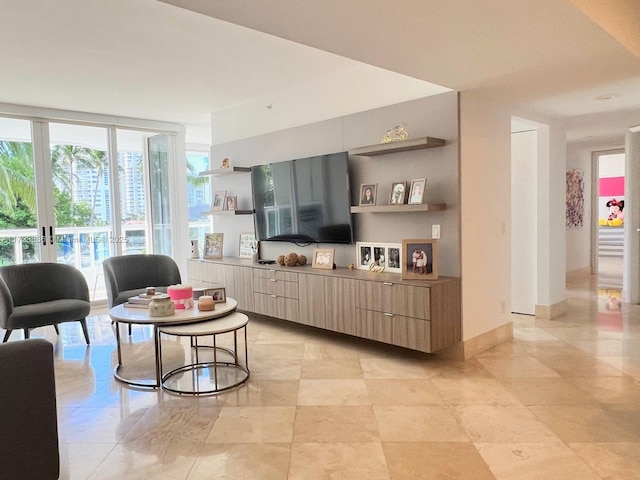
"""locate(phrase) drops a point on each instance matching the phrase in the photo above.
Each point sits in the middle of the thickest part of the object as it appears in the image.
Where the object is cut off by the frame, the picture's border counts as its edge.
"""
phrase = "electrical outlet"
(435, 231)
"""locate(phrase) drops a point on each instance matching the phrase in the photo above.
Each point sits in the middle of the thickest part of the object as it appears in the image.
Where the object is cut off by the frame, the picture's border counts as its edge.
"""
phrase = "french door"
(78, 194)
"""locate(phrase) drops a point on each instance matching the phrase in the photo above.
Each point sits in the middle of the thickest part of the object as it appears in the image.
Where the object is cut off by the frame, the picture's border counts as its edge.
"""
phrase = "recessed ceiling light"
(607, 96)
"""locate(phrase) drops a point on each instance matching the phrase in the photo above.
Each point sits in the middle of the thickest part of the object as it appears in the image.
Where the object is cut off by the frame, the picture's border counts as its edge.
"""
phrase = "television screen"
(303, 201)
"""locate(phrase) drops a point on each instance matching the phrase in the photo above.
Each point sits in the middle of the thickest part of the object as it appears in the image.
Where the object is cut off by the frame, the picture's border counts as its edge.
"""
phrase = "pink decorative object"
(181, 295)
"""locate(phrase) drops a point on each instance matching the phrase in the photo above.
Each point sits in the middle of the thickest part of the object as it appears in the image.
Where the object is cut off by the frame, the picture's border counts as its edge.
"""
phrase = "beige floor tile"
(161, 424)
(141, 461)
(629, 365)
(612, 461)
(332, 368)
(474, 391)
(496, 424)
(583, 366)
(407, 391)
(610, 389)
(428, 461)
(508, 349)
(253, 425)
(97, 425)
(586, 423)
(534, 461)
(517, 367)
(546, 391)
(333, 392)
(79, 460)
(287, 351)
(418, 424)
(338, 461)
(471, 368)
(393, 368)
(266, 461)
(274, 369)
(534, 334)
(335, 424)
(316, 350)
(265, 393)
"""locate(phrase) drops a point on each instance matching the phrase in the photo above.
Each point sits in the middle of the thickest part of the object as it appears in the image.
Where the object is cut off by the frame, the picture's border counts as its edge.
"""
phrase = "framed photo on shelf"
(219, 294)
(368, 194)
(218, 201)
(248, 245)
(416, 193)
(323, 258)
(213, 245)
(420, 259)
(231, 203)
(398, 194)
(386, 255)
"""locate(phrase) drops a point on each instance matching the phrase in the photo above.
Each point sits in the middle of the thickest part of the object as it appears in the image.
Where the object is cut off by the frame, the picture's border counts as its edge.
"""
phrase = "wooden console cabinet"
(420, 315)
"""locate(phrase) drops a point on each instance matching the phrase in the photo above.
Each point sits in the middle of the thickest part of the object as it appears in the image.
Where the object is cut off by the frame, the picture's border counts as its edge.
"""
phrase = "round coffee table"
(141, 316)
(211, 377)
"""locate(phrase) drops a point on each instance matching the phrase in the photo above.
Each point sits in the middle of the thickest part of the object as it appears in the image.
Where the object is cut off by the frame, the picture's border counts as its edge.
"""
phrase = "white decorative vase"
(195, 252)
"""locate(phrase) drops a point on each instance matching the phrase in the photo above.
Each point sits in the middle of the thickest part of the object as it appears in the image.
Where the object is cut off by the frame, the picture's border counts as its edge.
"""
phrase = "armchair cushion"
(128, 275)
(29, 432)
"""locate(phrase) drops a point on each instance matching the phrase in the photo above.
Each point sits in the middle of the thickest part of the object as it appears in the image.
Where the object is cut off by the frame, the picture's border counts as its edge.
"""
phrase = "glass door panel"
(19, 240)
(160, 193)
(133, 193)
(198, 195)
(82, 200)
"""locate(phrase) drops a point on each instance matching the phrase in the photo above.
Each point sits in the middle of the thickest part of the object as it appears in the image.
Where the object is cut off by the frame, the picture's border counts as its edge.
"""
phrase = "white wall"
(485, 166)
(435, 116)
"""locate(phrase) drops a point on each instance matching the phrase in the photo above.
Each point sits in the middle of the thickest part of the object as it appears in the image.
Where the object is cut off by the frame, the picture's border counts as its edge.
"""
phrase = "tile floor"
(562, 400)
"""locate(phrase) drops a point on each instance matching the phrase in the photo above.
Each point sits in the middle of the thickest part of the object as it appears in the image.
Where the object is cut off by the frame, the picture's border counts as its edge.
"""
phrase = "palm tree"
(65, 158)
(16, 176)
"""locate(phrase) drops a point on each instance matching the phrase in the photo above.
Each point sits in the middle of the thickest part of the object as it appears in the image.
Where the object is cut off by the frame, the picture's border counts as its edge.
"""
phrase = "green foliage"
(65, 216)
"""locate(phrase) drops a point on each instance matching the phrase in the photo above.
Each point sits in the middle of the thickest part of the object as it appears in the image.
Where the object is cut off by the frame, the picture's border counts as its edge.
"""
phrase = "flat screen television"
(306, 200)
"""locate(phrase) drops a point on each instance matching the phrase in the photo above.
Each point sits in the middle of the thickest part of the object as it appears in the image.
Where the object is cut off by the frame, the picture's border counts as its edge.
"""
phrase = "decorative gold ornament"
(225, 163)
(396, 134)
(375, 268)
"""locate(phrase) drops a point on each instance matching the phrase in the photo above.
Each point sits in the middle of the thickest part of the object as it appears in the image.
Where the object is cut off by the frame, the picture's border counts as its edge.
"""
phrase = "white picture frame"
(387, 255)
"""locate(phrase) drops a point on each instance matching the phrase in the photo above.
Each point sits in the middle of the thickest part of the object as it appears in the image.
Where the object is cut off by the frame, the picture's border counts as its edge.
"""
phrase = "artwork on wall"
(213, 245)
(575, 198)
(248, 245)
(385, 255)
(368, 193)
(420, 259)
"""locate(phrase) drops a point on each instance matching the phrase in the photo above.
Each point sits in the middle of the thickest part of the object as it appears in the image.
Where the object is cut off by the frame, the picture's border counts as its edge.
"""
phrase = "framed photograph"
(323, 258)
(219, 294)
(230, 203)
(218, 200)
(213, 245)
(398, 194)
(380, 255)
(248, 245)
(416, 193)
(420, 259)
(368, 193)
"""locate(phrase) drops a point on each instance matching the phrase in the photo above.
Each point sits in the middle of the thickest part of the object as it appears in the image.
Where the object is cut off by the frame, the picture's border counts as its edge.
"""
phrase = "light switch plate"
(435, 231)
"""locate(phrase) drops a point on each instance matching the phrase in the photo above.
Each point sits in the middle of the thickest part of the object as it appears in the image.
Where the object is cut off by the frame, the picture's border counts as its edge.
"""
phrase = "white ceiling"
(150, 59)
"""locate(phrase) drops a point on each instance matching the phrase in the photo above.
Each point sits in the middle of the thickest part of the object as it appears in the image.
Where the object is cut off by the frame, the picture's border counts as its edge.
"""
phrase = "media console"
(420, 315)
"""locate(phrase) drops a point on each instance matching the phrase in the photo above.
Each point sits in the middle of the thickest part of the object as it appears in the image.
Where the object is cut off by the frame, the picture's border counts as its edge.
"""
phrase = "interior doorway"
(608, 205)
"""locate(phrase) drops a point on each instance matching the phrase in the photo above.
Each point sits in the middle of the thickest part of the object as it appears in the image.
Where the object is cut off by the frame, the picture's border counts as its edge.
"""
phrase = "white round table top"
(120, 313)
(228, 323)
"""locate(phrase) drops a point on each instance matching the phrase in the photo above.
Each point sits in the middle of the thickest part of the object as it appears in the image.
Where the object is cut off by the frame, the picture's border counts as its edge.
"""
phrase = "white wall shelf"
(397, 147)
(423, 207)
(225, 171)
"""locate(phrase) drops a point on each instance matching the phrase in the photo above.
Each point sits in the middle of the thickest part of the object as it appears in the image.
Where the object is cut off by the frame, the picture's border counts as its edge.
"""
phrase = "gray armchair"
(40, 294)
(29, 432)
(128, 275)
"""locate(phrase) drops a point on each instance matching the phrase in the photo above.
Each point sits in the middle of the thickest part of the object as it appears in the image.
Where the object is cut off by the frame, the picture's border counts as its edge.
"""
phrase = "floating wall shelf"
(225, 171)
(396, 147)
(423, 207)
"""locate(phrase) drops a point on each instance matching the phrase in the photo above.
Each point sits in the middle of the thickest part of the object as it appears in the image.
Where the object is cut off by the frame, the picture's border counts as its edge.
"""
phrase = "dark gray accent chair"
(129, 275)
(40, 294)
(29, 428)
